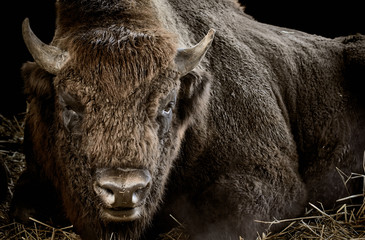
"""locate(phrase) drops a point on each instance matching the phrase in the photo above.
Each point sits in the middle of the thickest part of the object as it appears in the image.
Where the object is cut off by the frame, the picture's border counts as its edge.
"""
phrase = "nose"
(122, 188)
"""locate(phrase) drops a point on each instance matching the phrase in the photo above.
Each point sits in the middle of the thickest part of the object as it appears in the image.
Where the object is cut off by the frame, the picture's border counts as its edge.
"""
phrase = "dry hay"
(11, 140)
(347, 222)
(39, 231)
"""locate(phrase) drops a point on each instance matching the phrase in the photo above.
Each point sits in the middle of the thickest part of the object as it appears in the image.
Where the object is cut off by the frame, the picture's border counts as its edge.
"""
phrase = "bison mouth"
(122, 214)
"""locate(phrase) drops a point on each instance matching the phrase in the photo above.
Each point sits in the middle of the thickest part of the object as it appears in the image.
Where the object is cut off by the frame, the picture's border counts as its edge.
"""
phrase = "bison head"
(108, 110)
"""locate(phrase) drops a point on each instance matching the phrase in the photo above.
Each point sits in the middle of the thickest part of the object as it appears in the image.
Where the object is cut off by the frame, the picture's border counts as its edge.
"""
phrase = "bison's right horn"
(48, 57)
(188, 58)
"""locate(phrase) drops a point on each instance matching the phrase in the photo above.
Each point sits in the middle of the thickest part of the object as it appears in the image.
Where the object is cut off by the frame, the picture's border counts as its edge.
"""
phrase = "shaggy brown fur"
(265, 119)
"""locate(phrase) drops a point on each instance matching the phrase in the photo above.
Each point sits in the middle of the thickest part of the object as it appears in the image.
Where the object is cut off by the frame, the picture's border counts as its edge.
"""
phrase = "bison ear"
(48, 57)
(193, 96)
(188, 58)
(37, 83)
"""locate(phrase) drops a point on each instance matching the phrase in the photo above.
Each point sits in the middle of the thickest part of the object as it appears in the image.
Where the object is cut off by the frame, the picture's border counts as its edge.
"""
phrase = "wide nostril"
(105, 192)
(122, 188)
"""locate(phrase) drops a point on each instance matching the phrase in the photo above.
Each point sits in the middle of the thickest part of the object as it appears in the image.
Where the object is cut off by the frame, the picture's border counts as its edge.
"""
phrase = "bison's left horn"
(48, 57)
(188, 58)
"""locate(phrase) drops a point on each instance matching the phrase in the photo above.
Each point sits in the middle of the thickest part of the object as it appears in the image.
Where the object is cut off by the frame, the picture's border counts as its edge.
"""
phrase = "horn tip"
(211, 32)
(25, 26)
(26, 21)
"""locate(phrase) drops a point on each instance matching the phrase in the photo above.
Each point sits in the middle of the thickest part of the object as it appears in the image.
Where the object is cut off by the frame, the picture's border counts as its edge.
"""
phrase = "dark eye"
(72, 112)
(165, 118)
(168, 108)
(71, 119)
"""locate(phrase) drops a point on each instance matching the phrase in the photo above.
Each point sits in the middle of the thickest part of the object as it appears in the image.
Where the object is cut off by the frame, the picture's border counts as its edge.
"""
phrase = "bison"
(135, 113)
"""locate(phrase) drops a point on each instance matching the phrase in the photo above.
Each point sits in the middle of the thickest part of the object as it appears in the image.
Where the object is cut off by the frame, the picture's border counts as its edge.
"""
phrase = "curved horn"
(188, 58)
(48, 57)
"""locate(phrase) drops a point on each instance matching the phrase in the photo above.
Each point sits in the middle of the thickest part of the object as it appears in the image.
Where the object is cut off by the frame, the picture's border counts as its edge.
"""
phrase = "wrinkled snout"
(122, 192)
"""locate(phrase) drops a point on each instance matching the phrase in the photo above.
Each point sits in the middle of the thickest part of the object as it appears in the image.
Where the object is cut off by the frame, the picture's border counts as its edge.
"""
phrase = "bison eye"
(165, 117)
(71, 119)
(168, 108)
(72, 112)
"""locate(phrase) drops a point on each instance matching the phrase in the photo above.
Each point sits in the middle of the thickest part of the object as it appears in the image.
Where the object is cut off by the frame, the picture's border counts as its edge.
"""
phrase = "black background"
(321, 17)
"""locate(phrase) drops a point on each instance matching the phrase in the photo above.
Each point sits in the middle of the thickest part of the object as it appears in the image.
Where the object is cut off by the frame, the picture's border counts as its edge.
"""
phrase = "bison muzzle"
(123, 192)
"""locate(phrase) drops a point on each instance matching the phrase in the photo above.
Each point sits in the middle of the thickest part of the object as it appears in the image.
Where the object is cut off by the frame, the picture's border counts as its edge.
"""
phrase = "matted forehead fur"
(116, 59)
(120, 77)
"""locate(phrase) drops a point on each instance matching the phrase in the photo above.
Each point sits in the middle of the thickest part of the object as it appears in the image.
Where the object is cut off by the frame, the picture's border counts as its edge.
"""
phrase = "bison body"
(128, 123)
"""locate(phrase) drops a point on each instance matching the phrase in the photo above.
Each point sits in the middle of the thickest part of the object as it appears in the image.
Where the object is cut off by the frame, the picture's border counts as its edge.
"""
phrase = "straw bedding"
(344, 222)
